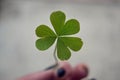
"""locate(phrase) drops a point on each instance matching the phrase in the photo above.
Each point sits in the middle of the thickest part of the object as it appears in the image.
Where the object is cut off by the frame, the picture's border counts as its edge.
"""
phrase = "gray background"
(100, 31)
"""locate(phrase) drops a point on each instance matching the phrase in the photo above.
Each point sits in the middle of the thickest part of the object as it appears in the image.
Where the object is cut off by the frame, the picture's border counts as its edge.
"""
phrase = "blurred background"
(100, 31)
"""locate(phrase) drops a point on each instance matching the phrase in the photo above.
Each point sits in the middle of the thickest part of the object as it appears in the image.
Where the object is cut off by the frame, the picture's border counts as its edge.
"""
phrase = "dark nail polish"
(51, 67)
(60, 72)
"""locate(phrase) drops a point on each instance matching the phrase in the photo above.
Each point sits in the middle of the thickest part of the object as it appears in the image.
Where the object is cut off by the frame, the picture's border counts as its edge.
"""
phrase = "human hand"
(63, 72)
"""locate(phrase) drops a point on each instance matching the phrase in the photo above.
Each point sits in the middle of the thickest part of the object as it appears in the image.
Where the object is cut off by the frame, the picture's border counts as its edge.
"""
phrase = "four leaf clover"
(62, 29)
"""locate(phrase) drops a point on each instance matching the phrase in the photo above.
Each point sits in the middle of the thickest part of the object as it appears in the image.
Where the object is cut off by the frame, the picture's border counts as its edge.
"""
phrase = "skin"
(78, 72)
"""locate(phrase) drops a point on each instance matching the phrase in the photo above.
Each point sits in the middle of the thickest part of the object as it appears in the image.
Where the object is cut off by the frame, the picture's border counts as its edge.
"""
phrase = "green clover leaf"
(64, 43)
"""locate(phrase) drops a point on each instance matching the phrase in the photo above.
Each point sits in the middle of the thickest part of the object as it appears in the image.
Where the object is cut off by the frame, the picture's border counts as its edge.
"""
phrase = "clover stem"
(54, 54)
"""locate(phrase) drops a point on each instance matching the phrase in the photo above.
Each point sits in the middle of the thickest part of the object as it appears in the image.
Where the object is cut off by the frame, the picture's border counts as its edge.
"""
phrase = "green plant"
(64, 42)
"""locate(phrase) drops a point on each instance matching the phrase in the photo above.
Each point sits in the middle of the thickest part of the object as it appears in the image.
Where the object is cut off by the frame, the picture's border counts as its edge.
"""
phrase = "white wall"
(100, 31)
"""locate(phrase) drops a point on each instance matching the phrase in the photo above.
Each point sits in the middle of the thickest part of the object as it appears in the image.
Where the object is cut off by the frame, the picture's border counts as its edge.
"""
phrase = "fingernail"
(61, 72)
(51, 67)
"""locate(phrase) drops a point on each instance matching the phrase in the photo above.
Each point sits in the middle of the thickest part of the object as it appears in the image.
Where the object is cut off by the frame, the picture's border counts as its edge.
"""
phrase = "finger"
(79, 71)
(63, 71)
(43, 75)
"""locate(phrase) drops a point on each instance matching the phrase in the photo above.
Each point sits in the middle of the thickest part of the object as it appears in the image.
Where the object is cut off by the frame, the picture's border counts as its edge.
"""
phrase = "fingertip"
(83, 70)
(80, 71)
